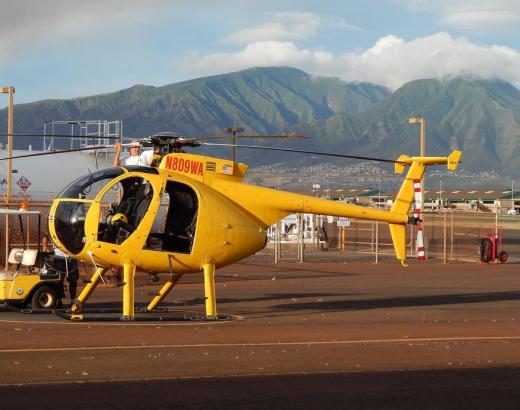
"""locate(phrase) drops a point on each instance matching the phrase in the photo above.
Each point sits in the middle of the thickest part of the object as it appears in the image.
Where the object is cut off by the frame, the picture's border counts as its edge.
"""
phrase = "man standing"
(135, 158)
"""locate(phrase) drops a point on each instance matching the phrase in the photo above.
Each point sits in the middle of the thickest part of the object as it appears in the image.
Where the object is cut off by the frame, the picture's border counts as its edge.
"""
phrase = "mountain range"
(480, 117)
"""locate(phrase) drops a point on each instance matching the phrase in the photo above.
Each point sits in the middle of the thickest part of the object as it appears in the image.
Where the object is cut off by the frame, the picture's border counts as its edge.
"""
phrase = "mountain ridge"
(481, 117)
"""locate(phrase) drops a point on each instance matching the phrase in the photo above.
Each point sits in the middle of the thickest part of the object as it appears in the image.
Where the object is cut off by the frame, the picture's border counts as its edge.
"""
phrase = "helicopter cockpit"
(75, 201)
(123, 206)
(122, 197)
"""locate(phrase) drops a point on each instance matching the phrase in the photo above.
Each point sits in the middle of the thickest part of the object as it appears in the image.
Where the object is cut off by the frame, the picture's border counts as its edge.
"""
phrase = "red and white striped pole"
(418, 208)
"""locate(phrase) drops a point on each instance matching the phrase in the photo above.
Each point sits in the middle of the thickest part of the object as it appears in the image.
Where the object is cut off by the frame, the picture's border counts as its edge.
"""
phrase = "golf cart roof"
(5, 211)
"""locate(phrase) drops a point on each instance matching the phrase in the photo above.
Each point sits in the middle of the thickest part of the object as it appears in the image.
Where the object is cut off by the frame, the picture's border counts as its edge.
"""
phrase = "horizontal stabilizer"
(453, 160)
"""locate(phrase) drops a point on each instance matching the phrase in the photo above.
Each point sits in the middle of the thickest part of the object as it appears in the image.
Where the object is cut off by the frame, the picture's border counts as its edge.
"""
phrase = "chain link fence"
(449, 237)
(25, 231)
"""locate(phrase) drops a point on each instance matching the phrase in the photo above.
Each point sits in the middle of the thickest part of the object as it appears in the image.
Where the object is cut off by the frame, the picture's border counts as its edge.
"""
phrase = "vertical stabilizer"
(398, 233)
(406, 194)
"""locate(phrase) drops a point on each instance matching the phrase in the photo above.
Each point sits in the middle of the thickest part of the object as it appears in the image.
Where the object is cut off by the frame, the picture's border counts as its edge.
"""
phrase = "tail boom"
(268, 206)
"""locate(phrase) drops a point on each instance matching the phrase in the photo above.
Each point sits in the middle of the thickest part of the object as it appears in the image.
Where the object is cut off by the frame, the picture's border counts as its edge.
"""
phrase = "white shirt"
(144, 159)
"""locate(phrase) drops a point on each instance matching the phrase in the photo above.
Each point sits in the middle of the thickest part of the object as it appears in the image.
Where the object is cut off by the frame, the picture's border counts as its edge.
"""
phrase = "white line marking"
(303, 343)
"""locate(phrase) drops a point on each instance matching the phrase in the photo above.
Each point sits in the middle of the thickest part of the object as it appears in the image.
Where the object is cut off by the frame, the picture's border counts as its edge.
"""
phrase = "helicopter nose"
(69, 224)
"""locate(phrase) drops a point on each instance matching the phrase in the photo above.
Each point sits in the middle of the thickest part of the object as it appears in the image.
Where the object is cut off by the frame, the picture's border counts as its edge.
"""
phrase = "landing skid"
(28, 310)
(89, 316)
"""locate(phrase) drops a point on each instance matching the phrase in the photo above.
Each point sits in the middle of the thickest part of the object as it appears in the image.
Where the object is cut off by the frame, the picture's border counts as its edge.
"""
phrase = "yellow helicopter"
(194, 213)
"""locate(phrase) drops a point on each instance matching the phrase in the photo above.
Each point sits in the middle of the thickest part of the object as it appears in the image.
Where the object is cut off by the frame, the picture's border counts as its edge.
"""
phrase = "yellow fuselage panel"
(224, 232)
(202, 168)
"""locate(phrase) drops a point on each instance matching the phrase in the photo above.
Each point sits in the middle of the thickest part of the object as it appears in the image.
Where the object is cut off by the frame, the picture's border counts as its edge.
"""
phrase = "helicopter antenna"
(234, 131)
(330, 154)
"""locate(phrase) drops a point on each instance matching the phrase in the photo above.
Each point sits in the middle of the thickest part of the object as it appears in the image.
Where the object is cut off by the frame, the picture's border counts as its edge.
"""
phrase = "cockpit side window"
(125, 207)
(175, 223)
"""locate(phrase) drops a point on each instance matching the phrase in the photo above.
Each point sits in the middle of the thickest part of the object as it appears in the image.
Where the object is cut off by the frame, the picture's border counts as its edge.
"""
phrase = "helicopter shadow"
(282, 273)
(265, 298)
(279, 296)
(397, 302)
(288, 269)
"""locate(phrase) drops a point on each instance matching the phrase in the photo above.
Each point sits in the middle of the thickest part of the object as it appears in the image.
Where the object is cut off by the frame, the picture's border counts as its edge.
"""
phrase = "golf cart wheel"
(44, 298)
(502, 257)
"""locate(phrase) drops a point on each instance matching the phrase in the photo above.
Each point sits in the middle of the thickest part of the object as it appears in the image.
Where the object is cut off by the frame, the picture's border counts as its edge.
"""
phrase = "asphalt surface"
(302, 336)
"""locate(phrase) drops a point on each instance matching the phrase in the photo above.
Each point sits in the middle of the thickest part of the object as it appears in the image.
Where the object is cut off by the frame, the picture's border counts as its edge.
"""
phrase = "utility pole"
(422, 153)
(10, 92)
(10, 122)
(421, 122)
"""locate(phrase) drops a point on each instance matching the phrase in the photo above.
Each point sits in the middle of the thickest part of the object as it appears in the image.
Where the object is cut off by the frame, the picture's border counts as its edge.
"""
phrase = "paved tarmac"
(302, 336)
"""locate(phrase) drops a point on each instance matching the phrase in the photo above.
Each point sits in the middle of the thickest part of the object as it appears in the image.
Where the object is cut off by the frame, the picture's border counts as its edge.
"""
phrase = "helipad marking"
(303, 343)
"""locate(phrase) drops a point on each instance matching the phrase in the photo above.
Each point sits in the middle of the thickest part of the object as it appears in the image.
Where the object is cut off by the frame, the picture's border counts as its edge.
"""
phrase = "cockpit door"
(123, 207)
(175, 222)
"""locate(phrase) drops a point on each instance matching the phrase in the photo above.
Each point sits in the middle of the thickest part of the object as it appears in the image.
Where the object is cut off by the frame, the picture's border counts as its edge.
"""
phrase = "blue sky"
(64, 49)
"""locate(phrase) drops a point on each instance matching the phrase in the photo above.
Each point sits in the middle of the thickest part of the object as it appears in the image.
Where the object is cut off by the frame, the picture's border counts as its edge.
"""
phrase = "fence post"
(377, 241)
(372, 237)
(277, 242)
(6, 242)
(410, 254)
(444, 238)
(451, 236)
(301, 238)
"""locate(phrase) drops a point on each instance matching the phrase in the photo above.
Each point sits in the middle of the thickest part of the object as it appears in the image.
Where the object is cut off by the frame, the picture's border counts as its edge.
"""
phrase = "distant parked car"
(512, 212)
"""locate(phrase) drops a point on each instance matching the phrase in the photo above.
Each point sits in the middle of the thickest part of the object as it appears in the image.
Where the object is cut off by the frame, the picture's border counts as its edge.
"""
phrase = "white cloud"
(472, 14)
(391, 61)
(260, 53)
(284, 26)
(26, 23)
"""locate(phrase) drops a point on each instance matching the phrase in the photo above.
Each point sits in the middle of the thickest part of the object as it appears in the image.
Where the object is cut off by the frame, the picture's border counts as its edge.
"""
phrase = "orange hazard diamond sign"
(23, 183)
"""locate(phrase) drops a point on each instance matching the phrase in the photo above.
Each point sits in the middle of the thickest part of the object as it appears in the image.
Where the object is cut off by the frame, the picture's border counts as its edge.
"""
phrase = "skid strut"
(209, 289)
(128, 291)
(163, 292)
(85, 294)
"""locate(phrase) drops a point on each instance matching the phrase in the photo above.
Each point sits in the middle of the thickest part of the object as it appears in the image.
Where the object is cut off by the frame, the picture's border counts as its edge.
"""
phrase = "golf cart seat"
(16, 256)
(29, 257)
(23, 257)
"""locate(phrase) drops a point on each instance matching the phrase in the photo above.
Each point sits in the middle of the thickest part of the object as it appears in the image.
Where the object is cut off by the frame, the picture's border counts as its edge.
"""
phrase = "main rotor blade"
(252, 137)
(39, 154)
(62, 136)
(330, 154)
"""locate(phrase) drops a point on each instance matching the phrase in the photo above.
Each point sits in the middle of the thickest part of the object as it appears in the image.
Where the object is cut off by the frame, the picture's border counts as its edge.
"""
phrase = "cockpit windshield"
(69, 222)
(88, 187)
